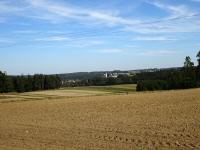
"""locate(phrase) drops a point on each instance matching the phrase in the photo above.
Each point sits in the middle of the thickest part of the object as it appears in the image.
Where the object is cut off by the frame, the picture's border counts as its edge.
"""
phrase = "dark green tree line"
(28, 83)
(184, 78)
(6, 84)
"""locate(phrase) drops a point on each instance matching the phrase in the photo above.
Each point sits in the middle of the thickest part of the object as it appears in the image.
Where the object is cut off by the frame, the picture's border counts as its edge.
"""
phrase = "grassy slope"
(124, 88)
(68, 93)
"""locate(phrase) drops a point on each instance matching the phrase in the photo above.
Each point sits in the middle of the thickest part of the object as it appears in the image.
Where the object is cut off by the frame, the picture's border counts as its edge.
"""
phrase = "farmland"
(115, 89)
(71, 92)
(114, 117)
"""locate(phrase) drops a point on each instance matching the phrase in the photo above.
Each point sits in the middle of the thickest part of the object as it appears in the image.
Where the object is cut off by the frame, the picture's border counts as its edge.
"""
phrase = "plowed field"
(149, 120)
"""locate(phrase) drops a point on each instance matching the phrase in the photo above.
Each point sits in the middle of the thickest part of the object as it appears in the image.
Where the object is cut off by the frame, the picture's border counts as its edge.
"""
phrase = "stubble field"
(102, 120)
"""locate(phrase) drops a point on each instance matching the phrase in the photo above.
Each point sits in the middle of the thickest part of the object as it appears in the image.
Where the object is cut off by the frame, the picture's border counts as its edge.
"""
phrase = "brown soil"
(159, 120)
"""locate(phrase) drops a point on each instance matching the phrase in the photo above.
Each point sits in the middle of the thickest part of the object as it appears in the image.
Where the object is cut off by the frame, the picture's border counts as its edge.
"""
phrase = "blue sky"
(60, 36)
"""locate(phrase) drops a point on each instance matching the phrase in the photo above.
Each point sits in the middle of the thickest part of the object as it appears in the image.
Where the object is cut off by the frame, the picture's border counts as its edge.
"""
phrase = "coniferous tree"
(198, 58)
(19, 84)
(28, 83)
(6, 84)
(188, 63)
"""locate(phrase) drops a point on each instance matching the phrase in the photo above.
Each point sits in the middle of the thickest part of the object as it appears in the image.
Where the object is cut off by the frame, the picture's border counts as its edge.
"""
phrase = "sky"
(62, 36)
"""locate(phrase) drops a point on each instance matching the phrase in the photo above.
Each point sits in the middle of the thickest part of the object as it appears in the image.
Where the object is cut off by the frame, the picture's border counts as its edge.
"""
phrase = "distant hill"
(91, 75)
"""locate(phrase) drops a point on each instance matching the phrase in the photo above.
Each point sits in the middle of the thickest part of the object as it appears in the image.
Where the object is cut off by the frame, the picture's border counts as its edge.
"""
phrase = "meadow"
(69, 92)
(114, 89)
(114, 117)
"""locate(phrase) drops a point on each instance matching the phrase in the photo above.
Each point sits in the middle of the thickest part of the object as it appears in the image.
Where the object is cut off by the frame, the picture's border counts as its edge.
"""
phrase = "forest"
(186, 77)
(28, 83)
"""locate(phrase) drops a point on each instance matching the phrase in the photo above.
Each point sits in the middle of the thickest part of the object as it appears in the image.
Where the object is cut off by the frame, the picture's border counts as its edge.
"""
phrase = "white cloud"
(153, 38)
(184, 25)
(53, 11)
(25, 31)
(86, 42)
(131, 46)
(111, 50)
(55, 32)
(6, 40)
(175, 11)
(8, 7)
(53, 38)
(158, 53)
(181, 18)
(96, 42)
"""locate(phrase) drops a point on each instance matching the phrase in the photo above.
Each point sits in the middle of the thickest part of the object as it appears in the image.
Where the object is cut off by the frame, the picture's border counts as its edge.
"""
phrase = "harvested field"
(149, 120)
(52, 94)
(115, 89)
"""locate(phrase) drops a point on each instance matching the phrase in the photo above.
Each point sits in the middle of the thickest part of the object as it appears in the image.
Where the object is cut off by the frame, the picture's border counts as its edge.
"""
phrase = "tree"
(188, 63)
(38, 82)
(198, 58)
(19, 83)
(6, 84)
(28, 83)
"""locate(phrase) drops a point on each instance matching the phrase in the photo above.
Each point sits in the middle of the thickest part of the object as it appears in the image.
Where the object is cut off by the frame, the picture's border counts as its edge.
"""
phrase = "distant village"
(108, 74)
(114, 75)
